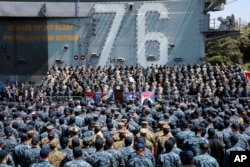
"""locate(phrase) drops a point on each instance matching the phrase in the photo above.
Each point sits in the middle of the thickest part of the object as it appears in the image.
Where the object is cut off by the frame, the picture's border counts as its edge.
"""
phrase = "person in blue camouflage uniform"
(10, 159)
(204, 159)
(101, 157)
(19, 151)
(175, 148)
(65, 149)
(235, 147)
(219, 132)
(227, 132)
(247, 124)
(79, 118)
(140, 160)
(187, 159)
(44, 159)
(18, 120)
(4, 158)
(10, 142)
(110, 130)
(194, 142)
(32, 155)
(168, 158)
(243, 138)
(147, 151)
(87, 149)
(184, 134)
(89, 130)
(127, 150)
(116, 153)
(178, 112)
(77, 161)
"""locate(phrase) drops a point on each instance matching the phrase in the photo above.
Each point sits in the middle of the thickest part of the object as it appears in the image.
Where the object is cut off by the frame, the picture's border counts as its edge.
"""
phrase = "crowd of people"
(200, 114)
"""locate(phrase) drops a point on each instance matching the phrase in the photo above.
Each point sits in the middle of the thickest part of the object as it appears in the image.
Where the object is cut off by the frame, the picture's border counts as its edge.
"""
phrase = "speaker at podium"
(118, 92)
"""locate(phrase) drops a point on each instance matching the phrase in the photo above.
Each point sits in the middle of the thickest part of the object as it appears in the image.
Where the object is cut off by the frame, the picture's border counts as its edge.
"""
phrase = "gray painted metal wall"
(182, 29)
(124, 33)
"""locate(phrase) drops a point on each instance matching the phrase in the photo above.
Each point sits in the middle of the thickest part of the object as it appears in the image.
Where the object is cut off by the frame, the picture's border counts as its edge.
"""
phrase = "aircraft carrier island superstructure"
(35, 35)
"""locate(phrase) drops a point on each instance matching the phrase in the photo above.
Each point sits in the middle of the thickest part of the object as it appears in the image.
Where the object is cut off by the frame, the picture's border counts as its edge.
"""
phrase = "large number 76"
(142, 35)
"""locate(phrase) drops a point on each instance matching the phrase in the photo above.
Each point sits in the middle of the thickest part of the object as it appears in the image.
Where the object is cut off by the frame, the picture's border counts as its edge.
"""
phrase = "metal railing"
(63, 98)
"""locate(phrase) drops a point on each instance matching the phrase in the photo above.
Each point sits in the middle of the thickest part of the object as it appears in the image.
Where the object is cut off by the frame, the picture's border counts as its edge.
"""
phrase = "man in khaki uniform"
(74, 133)
(98, 133)
(149, 134)
(160, 143)
(120, 143)
(50, 129)
(46, 140)
(143, 133)
(160, 132)
(56, 157)
(121, 128)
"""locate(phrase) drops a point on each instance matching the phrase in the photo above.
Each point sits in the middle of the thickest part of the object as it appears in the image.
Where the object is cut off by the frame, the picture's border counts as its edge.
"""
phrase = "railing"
(191, 97)
(63, 98)
(165, 97)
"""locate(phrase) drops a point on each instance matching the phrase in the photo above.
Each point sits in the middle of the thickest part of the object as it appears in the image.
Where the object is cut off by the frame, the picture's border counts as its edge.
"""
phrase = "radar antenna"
(43, 10)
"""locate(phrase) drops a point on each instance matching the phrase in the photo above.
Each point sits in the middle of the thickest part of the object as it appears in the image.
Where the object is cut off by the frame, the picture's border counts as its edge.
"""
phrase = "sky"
(240, 9)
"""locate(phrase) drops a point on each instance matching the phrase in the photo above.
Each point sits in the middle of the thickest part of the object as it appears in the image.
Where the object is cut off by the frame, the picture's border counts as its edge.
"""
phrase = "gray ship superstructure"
(37, 34)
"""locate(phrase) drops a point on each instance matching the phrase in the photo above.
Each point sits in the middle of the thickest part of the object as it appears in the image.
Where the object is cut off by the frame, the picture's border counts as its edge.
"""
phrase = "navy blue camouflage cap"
(27, 117)
(246, 120)
(52, 121)
(109, 140)
(141, 140)
(86, 140)
(77, 151)
(31, 123)
(16, 114)
(66, 110)
(184, 122)
(187, 154)
(99, 143)
(2, 115)
(65, 140)
(35, 140)
(3, 154)
(8, 130)
(52, 114)
(139, 146)
(44, 152)
(169, 144)
(235, 126)
(51, 135)
(234, 138)
(24, 136)
(75, 142)
(128, 140)
(211, 131)
(6, 123)
(62, 120)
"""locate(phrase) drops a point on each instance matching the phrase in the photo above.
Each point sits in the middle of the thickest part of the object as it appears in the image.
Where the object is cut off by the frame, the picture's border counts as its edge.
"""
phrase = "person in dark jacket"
(215, 146)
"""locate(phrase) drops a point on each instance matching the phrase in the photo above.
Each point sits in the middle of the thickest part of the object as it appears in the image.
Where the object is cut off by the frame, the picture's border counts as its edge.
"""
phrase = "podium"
(118, 92)
(119, 96)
